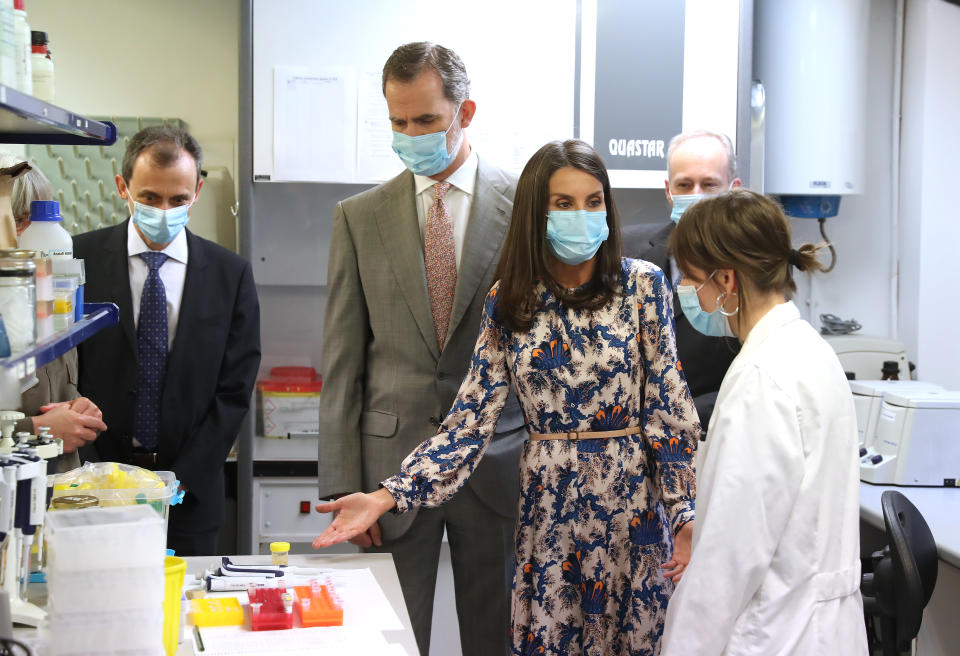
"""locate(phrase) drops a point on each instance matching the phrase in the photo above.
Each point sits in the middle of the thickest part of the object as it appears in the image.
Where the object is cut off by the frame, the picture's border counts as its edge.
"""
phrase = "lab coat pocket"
(836, 584)
(378, 423)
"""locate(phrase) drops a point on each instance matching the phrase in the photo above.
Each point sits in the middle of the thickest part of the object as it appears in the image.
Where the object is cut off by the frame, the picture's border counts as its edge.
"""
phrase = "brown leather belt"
(576, 436)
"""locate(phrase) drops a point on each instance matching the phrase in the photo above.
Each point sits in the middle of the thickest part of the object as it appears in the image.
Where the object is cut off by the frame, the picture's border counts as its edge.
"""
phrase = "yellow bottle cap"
(279, 547)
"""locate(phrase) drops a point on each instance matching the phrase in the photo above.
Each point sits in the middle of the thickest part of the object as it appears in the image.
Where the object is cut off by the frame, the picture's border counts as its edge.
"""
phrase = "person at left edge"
(53, 401)
(174, 378)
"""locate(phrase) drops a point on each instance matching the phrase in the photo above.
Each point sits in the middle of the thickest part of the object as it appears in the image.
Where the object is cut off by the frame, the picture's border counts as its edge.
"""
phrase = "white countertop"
(940, 507)
(381, 565)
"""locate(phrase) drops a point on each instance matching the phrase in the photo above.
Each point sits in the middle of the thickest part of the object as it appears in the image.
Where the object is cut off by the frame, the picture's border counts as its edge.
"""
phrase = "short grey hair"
(168, 142)
(695, 134)
(29, 186)
(409, 60)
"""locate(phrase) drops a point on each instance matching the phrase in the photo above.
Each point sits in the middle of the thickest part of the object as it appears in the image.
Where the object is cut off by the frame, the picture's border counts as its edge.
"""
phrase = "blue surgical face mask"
(682, 201)
(712, 324)
(575, 235)
(160, 226)
(427, 154)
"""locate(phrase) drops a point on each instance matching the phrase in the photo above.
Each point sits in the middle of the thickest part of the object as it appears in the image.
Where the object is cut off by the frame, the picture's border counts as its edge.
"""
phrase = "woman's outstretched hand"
(677, 565)
(355, 513)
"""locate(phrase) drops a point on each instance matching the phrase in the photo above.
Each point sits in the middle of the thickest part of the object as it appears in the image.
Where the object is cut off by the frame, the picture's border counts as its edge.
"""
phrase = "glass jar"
(18, 298)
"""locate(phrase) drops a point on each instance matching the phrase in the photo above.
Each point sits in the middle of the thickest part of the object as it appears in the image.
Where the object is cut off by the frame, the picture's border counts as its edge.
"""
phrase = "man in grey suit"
(699, 163)
(411, 261)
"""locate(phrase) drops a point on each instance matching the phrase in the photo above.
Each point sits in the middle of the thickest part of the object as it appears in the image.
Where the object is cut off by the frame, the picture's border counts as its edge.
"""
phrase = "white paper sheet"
(314, 123)
(366, 613)
(376, 160)
(228, 641)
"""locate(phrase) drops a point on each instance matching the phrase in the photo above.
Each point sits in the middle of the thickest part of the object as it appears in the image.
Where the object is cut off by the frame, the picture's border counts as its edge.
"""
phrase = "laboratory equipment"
(45, 233)
(280, 553)
(24, 41)
(867, 397)
(222, 611)
(42, 65)
(318, 605)
(916, 440)
(23, 496)
(864, 356)
(271, 607)
(811, 57)
(117, 484)
(18, 300)
(8, 45)
(64, 293)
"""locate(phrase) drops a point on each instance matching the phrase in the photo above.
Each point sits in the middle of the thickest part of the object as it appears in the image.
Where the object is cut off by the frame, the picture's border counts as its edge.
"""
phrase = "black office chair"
(903, 577)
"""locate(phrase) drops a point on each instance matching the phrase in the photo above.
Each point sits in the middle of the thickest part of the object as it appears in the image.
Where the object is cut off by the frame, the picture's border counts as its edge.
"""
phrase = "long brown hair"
(525, 252)
(747, 232)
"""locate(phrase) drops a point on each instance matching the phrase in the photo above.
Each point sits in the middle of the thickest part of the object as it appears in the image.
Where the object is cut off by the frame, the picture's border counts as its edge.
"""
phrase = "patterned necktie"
(151, 353)
(440, 261)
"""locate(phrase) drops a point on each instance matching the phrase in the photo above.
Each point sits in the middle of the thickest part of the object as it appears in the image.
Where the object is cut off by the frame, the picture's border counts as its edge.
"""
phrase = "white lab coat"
(775, 567)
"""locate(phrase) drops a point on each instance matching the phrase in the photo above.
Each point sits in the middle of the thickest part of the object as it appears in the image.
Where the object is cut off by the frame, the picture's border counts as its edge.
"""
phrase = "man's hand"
(355, 519)
(677, 565)
(75, 427)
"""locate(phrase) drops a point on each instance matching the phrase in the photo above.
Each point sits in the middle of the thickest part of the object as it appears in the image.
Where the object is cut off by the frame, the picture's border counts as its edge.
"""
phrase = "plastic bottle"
(24, 40)
(45, 233)
(42, 67)
(8, 45)
(890, 370)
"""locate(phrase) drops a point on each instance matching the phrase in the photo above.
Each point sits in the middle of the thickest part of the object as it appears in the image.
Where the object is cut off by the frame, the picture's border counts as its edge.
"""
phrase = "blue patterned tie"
(151, 353)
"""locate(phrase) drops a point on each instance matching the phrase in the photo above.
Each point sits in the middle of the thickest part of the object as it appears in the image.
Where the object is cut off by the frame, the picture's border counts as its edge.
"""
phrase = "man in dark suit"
(174, 378)
(699, 163)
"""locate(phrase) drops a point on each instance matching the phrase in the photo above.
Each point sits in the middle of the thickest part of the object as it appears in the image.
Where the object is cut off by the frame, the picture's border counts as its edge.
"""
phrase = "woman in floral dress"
(607, 480)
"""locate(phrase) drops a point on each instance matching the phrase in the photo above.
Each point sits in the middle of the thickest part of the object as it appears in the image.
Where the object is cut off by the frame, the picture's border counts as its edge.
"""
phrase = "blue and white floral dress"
(590, 535)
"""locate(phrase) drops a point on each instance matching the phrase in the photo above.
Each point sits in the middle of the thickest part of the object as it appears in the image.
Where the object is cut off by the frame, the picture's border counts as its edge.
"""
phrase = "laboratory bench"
(380, 565)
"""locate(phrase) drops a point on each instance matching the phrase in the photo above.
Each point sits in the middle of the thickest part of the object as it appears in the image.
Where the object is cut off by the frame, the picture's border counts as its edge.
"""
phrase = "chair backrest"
(905, 578)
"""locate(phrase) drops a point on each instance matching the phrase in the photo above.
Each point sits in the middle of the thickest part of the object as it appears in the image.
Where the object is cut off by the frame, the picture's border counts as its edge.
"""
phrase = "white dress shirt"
(172, 274)
(459, 200)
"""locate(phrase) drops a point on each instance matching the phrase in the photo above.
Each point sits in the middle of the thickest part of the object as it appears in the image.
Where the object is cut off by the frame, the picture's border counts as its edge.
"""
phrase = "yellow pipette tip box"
(220, 611)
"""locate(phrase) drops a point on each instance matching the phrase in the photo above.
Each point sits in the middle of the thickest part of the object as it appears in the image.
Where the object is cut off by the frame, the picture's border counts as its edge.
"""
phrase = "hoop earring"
(720, 309)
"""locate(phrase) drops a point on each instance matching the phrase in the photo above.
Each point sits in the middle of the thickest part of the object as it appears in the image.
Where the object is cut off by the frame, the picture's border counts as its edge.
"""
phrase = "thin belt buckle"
(572, 436)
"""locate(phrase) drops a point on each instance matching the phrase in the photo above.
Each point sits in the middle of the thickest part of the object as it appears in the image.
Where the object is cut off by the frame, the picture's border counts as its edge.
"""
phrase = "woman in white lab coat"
(775, 565)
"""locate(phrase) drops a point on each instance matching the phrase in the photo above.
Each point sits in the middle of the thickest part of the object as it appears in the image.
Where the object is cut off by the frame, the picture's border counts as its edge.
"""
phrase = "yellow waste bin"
(174, 570)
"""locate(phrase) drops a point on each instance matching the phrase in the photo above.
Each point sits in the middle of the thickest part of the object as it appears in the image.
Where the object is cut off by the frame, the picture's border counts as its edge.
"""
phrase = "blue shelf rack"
(96, 317)
(28, 120)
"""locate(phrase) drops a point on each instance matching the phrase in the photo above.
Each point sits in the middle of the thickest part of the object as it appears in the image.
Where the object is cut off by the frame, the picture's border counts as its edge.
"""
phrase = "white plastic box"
(104, 538)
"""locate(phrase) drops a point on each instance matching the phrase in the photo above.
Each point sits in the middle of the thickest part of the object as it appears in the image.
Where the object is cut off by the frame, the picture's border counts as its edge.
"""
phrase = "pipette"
(31, 494)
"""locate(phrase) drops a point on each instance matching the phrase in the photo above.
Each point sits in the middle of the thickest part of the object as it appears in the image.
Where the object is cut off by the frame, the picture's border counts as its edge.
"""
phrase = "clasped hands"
(76, 422)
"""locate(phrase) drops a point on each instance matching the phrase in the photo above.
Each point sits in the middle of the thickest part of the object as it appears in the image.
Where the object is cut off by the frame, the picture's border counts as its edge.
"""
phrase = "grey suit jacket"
(385, 381)
(705, 359)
